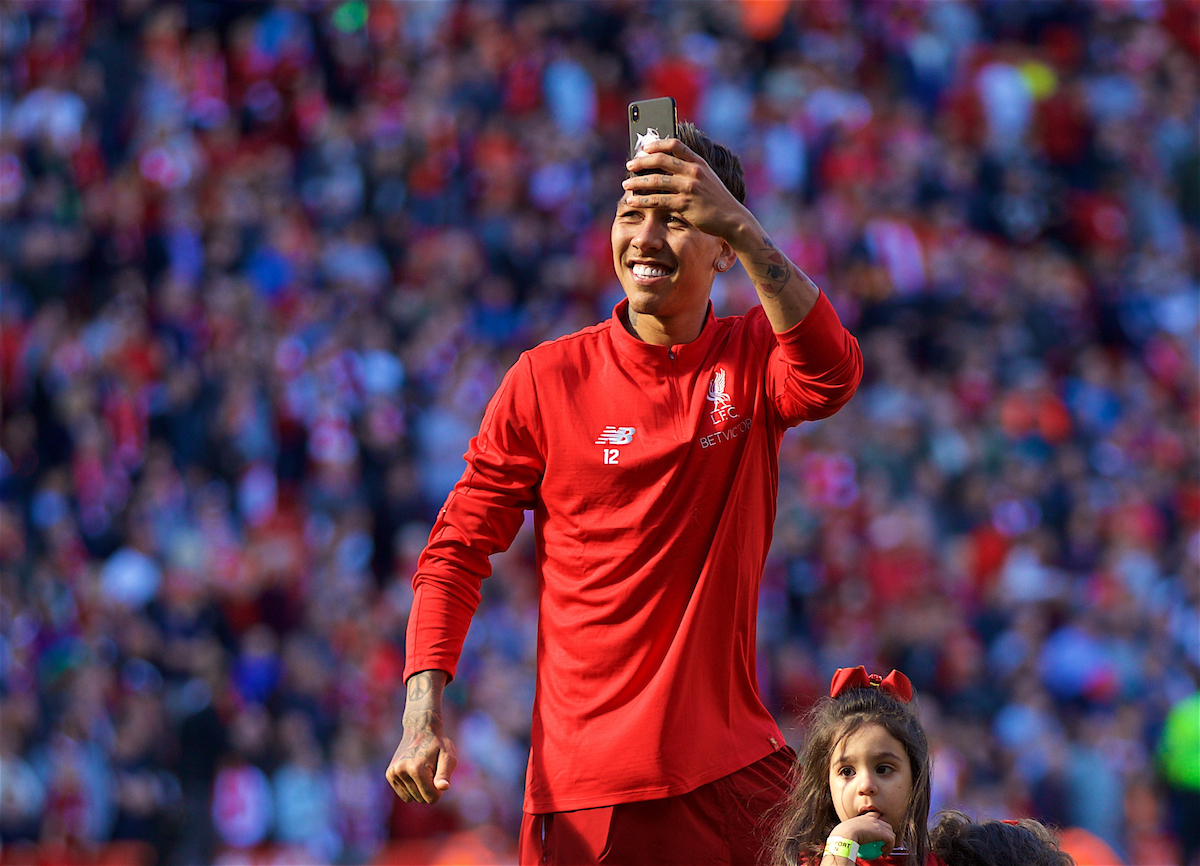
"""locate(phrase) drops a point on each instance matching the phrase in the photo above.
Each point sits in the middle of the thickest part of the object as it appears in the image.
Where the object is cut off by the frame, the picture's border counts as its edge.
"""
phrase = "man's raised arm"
(820, 362)
(689, 186)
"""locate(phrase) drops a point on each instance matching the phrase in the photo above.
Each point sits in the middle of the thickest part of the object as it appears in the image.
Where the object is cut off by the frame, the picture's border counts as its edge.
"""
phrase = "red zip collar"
(651, 354)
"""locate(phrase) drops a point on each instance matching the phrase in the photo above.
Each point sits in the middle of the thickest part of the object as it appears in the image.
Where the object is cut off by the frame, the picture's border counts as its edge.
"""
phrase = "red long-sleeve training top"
(652, 472)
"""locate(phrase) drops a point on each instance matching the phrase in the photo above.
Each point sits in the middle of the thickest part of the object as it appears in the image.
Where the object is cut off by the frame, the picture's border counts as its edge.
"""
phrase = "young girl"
(863, 788)
(959, 840)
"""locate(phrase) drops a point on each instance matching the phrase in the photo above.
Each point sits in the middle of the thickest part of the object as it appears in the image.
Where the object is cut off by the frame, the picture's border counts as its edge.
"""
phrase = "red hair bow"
(895, 684)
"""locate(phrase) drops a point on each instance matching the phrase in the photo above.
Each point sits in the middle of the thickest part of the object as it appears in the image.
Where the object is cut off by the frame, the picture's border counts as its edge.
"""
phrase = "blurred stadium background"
(263, 263)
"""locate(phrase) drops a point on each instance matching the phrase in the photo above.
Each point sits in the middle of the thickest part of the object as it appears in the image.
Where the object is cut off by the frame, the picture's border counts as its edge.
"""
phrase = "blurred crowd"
(262, 265)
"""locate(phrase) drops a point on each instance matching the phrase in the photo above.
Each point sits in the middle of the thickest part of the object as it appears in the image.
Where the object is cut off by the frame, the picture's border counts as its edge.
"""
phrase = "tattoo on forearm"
(419, 686)
(769, 269)
(423, 719)
(421, 713)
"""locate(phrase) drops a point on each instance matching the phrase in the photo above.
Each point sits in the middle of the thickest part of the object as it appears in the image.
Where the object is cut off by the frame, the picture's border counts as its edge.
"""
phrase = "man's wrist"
(425, 688)
(747, 235)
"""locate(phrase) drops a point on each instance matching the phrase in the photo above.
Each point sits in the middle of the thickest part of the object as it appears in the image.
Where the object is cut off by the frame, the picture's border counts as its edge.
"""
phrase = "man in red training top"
(647, 447)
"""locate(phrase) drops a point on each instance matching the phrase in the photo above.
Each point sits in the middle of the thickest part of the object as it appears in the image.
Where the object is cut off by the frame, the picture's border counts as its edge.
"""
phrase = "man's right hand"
(421, 767)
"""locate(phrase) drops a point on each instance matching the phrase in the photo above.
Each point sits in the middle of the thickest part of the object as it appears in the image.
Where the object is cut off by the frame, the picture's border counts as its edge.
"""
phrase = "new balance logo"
(616, 436)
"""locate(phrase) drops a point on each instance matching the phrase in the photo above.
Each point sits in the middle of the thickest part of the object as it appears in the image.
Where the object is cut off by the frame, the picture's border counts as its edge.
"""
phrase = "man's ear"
(725, 258)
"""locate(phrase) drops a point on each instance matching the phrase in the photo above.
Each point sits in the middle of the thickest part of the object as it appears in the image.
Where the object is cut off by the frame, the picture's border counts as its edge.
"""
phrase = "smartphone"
(653, 118)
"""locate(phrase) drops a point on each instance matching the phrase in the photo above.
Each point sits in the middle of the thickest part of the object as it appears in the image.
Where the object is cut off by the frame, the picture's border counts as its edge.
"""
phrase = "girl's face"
(870, 772)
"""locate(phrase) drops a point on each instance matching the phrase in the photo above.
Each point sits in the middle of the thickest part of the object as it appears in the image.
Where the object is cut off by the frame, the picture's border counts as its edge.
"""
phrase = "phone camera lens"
(636, 112)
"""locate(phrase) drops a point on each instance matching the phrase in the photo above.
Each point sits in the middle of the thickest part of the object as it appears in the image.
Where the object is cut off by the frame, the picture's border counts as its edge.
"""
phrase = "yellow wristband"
(839, 846)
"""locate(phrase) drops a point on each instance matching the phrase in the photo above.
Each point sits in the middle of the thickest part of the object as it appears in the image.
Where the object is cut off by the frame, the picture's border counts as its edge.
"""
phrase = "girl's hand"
(867, 828)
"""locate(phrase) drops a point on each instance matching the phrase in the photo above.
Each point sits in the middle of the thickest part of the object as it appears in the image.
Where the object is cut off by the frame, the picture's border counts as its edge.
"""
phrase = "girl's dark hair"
(960, 841)
(808, 814)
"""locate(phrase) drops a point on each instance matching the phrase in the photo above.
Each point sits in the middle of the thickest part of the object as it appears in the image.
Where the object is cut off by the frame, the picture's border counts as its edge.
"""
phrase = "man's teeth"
(650, 271)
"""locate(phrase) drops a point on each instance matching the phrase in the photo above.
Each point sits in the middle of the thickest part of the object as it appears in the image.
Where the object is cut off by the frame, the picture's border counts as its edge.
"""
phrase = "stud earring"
(721, 266)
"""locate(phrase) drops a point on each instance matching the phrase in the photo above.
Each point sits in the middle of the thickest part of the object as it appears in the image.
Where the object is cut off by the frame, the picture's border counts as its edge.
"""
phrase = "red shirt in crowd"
(652, 472)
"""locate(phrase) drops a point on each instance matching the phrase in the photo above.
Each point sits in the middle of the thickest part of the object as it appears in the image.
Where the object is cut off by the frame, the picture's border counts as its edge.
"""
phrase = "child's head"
(865, 721)
(869, 771)
(959, 840)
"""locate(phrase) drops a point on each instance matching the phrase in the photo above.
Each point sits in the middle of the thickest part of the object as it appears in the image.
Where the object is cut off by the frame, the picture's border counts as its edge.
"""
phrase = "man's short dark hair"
(722, 160)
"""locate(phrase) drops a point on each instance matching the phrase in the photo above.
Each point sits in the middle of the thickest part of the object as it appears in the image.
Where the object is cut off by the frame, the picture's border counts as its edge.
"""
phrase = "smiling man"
(647, 448)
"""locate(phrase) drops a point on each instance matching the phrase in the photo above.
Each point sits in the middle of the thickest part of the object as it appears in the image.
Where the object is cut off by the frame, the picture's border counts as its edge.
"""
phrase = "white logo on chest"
(615, 436)
(722, 409)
